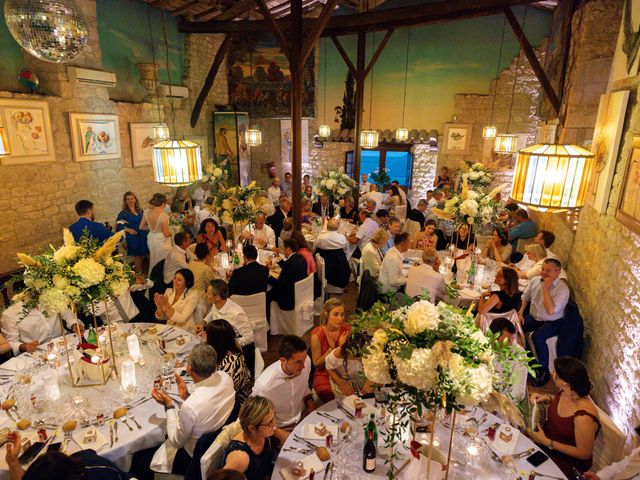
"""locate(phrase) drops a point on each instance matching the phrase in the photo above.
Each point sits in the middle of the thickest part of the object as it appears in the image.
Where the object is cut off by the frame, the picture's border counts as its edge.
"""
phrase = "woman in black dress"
(349, 212)
(507, 298)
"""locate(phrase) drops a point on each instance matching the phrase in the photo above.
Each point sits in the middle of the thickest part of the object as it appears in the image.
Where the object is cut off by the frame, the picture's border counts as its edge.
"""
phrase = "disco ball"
(53, 31)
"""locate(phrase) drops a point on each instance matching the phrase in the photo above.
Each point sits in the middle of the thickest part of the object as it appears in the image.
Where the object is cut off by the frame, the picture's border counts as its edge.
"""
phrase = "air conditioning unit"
(174, 91)
(91, 77)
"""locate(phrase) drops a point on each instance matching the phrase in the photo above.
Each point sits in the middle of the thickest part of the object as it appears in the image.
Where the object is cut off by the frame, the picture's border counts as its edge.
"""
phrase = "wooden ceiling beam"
(344, 55)
(277, 31)
(185, 8)
(380, 20)
(318, 28)
(378, 51)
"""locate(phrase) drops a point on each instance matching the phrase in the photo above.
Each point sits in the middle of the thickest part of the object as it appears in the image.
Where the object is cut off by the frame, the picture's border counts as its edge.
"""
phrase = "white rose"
(479, 337)
(418, 371)
(217, 172)
(479, 383)
(330, 184)
(60, 282)
(66, 252)
(375, 367)
(90, 271)
(205, 178)
(474, 175)
(469, 207)
(118, 287)
(472, 195)
(53, 300)
(421, 316)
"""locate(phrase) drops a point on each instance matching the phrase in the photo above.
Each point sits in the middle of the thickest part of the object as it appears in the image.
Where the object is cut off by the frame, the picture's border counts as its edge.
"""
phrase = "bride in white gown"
(159, 237)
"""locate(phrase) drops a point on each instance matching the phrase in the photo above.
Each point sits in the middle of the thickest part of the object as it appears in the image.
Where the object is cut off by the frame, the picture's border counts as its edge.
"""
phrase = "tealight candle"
(128, 374)
(52, 357)
(95, 359)
(134, 347)
(77, 400)
(473, 450)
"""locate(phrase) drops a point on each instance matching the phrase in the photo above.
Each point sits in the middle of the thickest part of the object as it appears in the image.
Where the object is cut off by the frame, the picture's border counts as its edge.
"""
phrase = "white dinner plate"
(506, 447)
(308, 431)
(100, 442)
(349, 402)
(312, 461)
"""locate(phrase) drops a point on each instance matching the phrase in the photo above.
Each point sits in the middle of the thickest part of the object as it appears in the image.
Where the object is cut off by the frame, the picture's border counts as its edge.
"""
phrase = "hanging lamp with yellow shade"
(4, 143)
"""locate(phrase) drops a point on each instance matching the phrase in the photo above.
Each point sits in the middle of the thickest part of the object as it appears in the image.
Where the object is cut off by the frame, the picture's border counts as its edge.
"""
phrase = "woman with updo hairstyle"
(569, 434)
(498, 248)
(157, 222)
(332, 332)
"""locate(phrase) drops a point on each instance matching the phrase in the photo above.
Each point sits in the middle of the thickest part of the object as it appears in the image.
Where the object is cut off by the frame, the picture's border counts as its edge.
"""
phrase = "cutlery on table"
(304, 441)
(111, 434)
(124, 420)
(115, 430)
(346, 412)
(329, 417)
(538, 474)
(133, 419)
(326, 470)
(526, 453)
(297, 450)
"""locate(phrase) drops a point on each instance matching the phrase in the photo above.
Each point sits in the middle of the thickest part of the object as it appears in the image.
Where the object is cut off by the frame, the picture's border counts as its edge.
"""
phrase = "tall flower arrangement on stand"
(335, 184)
(478, 176)
(216, 175)
(238, 205)
(471, 207)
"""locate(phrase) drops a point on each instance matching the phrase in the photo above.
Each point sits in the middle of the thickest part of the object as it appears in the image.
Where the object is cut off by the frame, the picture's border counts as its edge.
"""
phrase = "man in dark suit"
(294, 269)
(250, 278)
(417, 214)
(323, 208)
(85, 223)
(276, 220)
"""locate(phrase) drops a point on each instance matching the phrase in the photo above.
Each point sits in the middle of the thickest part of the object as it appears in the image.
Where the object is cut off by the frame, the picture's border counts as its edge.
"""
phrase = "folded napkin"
(419, 460)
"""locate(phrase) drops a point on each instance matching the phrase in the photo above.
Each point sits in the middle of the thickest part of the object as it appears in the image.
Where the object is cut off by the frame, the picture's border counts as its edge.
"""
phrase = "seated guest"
(24, 333)
(382, 217)
(306, 215)
(179, 256)
(393, 197)
(393, 229)
(417, 214)
(226, 474)
(428, 237)
(364, 184)
(223, 308)
(259, 234)
(626, 469)
(202, 272)
(323, 208)
(287, 228)
(206, 409)
(178, 305)
(206, 211)
(427, 276)
(349, 212)
(374, 199)
(436, 199)
(516, 385)
(331, 239)
(308, 195)
(346, 371)
(507, 298)
(371, 206)
(85, 222)
(286, 382)
(536, 255)
(547, 296)
(252, 277)
(364, 233)
(332, 332)
(211, 236)
(294, 269)
(401, 192)
(85, 464)
(372, 253)
(391, 276)
(545, 239)
(250, 452)
(443, 180)
(274, 192)
(283, 211)
(429, 196)
(523, 228)
(124, 308)
(306, 181)
(569, 434)
(222, 337)
(303, 250)
(200, 194)
(498, 248)
(464, 239)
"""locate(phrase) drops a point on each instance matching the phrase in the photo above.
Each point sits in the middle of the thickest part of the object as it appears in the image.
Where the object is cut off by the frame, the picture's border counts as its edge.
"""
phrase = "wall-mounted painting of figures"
(258, 78)
(230, 144)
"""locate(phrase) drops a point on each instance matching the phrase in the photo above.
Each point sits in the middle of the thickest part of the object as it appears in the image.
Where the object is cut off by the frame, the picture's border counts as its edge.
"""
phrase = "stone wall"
(38, 200)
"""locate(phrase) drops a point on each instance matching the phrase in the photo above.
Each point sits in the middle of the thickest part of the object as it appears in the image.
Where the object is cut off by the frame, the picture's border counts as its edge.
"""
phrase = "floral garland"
(240, 204)
(74, 274)
(335, 184)
(478, 176)
(471, 207)
(380, 177)
(216, 175)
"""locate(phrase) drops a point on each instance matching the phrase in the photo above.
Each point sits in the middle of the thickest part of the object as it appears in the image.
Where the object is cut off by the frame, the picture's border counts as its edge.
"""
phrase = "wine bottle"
(371, 427)
(92, 336)
(369, 454)
(472, 273)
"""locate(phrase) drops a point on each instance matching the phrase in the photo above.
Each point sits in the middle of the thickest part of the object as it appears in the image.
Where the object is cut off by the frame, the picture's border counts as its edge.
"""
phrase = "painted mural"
(12, 59)
(125, 40)
(259, 78)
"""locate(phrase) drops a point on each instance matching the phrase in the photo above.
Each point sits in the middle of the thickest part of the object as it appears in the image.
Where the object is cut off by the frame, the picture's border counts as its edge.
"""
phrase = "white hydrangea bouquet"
(240, 204)
(335, 184)
(216, 175)
(73, 274)
(434, 357)
(473, 207)
(478, 176)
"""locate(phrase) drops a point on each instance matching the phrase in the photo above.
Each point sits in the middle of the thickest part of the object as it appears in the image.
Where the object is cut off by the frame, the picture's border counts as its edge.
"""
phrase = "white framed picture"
(457, 138)
(28, 127)
(95, 136)
(142, 143)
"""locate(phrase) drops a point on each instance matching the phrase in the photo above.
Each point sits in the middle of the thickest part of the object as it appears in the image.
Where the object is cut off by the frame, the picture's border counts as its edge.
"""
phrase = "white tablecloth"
(487, 469)
(149, 414)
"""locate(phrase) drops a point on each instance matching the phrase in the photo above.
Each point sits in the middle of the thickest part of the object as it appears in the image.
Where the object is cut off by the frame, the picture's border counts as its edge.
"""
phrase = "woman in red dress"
(332, 333)
(211, 236)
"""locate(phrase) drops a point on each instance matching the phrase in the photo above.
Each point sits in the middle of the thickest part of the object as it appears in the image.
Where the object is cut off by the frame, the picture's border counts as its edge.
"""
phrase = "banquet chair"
(259, 363)
(609, 444)
(356, 264)
(411, 227)
(484, 321)
(482, 240)
(400, 212)
(255, 306)
(552, 344)
(202, 445)
(336, 269)
(213, 458)
(299, 320)
(320, 268)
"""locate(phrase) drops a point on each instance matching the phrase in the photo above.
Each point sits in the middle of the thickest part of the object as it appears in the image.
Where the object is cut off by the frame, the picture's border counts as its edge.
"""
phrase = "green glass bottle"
(472, 273)
(371, 427)
(92, 336)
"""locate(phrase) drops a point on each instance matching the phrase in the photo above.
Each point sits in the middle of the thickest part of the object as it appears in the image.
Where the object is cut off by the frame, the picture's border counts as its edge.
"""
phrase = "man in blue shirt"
(524, 228)
(84, 209)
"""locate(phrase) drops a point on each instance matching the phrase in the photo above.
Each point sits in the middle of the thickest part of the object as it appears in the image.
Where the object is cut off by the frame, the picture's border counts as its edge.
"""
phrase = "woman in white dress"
(157, 222)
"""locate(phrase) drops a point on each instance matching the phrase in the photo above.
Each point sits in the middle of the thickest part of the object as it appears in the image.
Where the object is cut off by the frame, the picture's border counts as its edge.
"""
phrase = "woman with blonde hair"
(332, 332)
(157, 222)
(129, 220)
(250, 451)
(371, 253)
(535, 253)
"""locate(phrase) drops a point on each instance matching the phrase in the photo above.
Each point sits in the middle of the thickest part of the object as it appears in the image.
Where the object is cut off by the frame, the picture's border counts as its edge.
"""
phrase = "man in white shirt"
(516, 387)
(363, 235)
(331, 239)
(286, 383)
(274, 191)
(547, 295)
(287, 185)
(24, 332)
(364, 184)
(435, 200)
(260, 234)
(206, 409)
(200, 194)
(394, 227)
(178, 257)
(223, 308)
(374, 195)
(426, 276)
(391, 275)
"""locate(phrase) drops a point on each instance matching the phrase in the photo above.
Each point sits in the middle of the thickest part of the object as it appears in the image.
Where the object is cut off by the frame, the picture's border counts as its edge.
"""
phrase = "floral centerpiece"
(73, 274)
(240, 204)
(380, 177)
(472, 207)
(478, 176)
(335, 184)
(434, 358)
(216, 175)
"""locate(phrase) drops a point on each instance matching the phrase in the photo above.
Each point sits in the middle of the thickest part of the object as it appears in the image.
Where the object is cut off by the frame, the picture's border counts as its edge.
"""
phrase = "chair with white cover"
(320, 267)
(485, 319)
(255, 306)
(523, 242)
(609, 444)
(356, 265)
(299, 320)
(259, 363)
(400, 212)
(213, 458)
(411, 227)
(552, 344)
(482, 241)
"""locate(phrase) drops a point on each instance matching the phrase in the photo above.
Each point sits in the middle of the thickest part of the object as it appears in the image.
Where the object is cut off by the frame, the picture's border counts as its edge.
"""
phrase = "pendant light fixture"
(252, 135)
(4, 143)
(160, 131)
(506, 143)
(402, 133)
(370, 138)
(324, 130)
(175, 162)
(490, 131)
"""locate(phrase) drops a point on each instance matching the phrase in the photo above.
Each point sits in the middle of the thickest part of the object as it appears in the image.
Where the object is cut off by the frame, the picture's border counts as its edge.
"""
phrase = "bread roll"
(119, 412)
(69, 426)
(323, 453)
(23, 424)
(8, 403)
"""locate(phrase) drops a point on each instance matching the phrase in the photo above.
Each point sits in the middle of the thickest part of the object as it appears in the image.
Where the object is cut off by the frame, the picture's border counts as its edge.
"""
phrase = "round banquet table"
(100, 399)
(348, 464)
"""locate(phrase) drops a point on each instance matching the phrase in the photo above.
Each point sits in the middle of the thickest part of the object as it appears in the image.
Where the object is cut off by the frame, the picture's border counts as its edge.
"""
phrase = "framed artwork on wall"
(627, 54)
(142, 143)
(230, 144)
(95, 136)
(28, 127)
(285, 144)
(457, 138)
(605, 145)
(628, 211)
